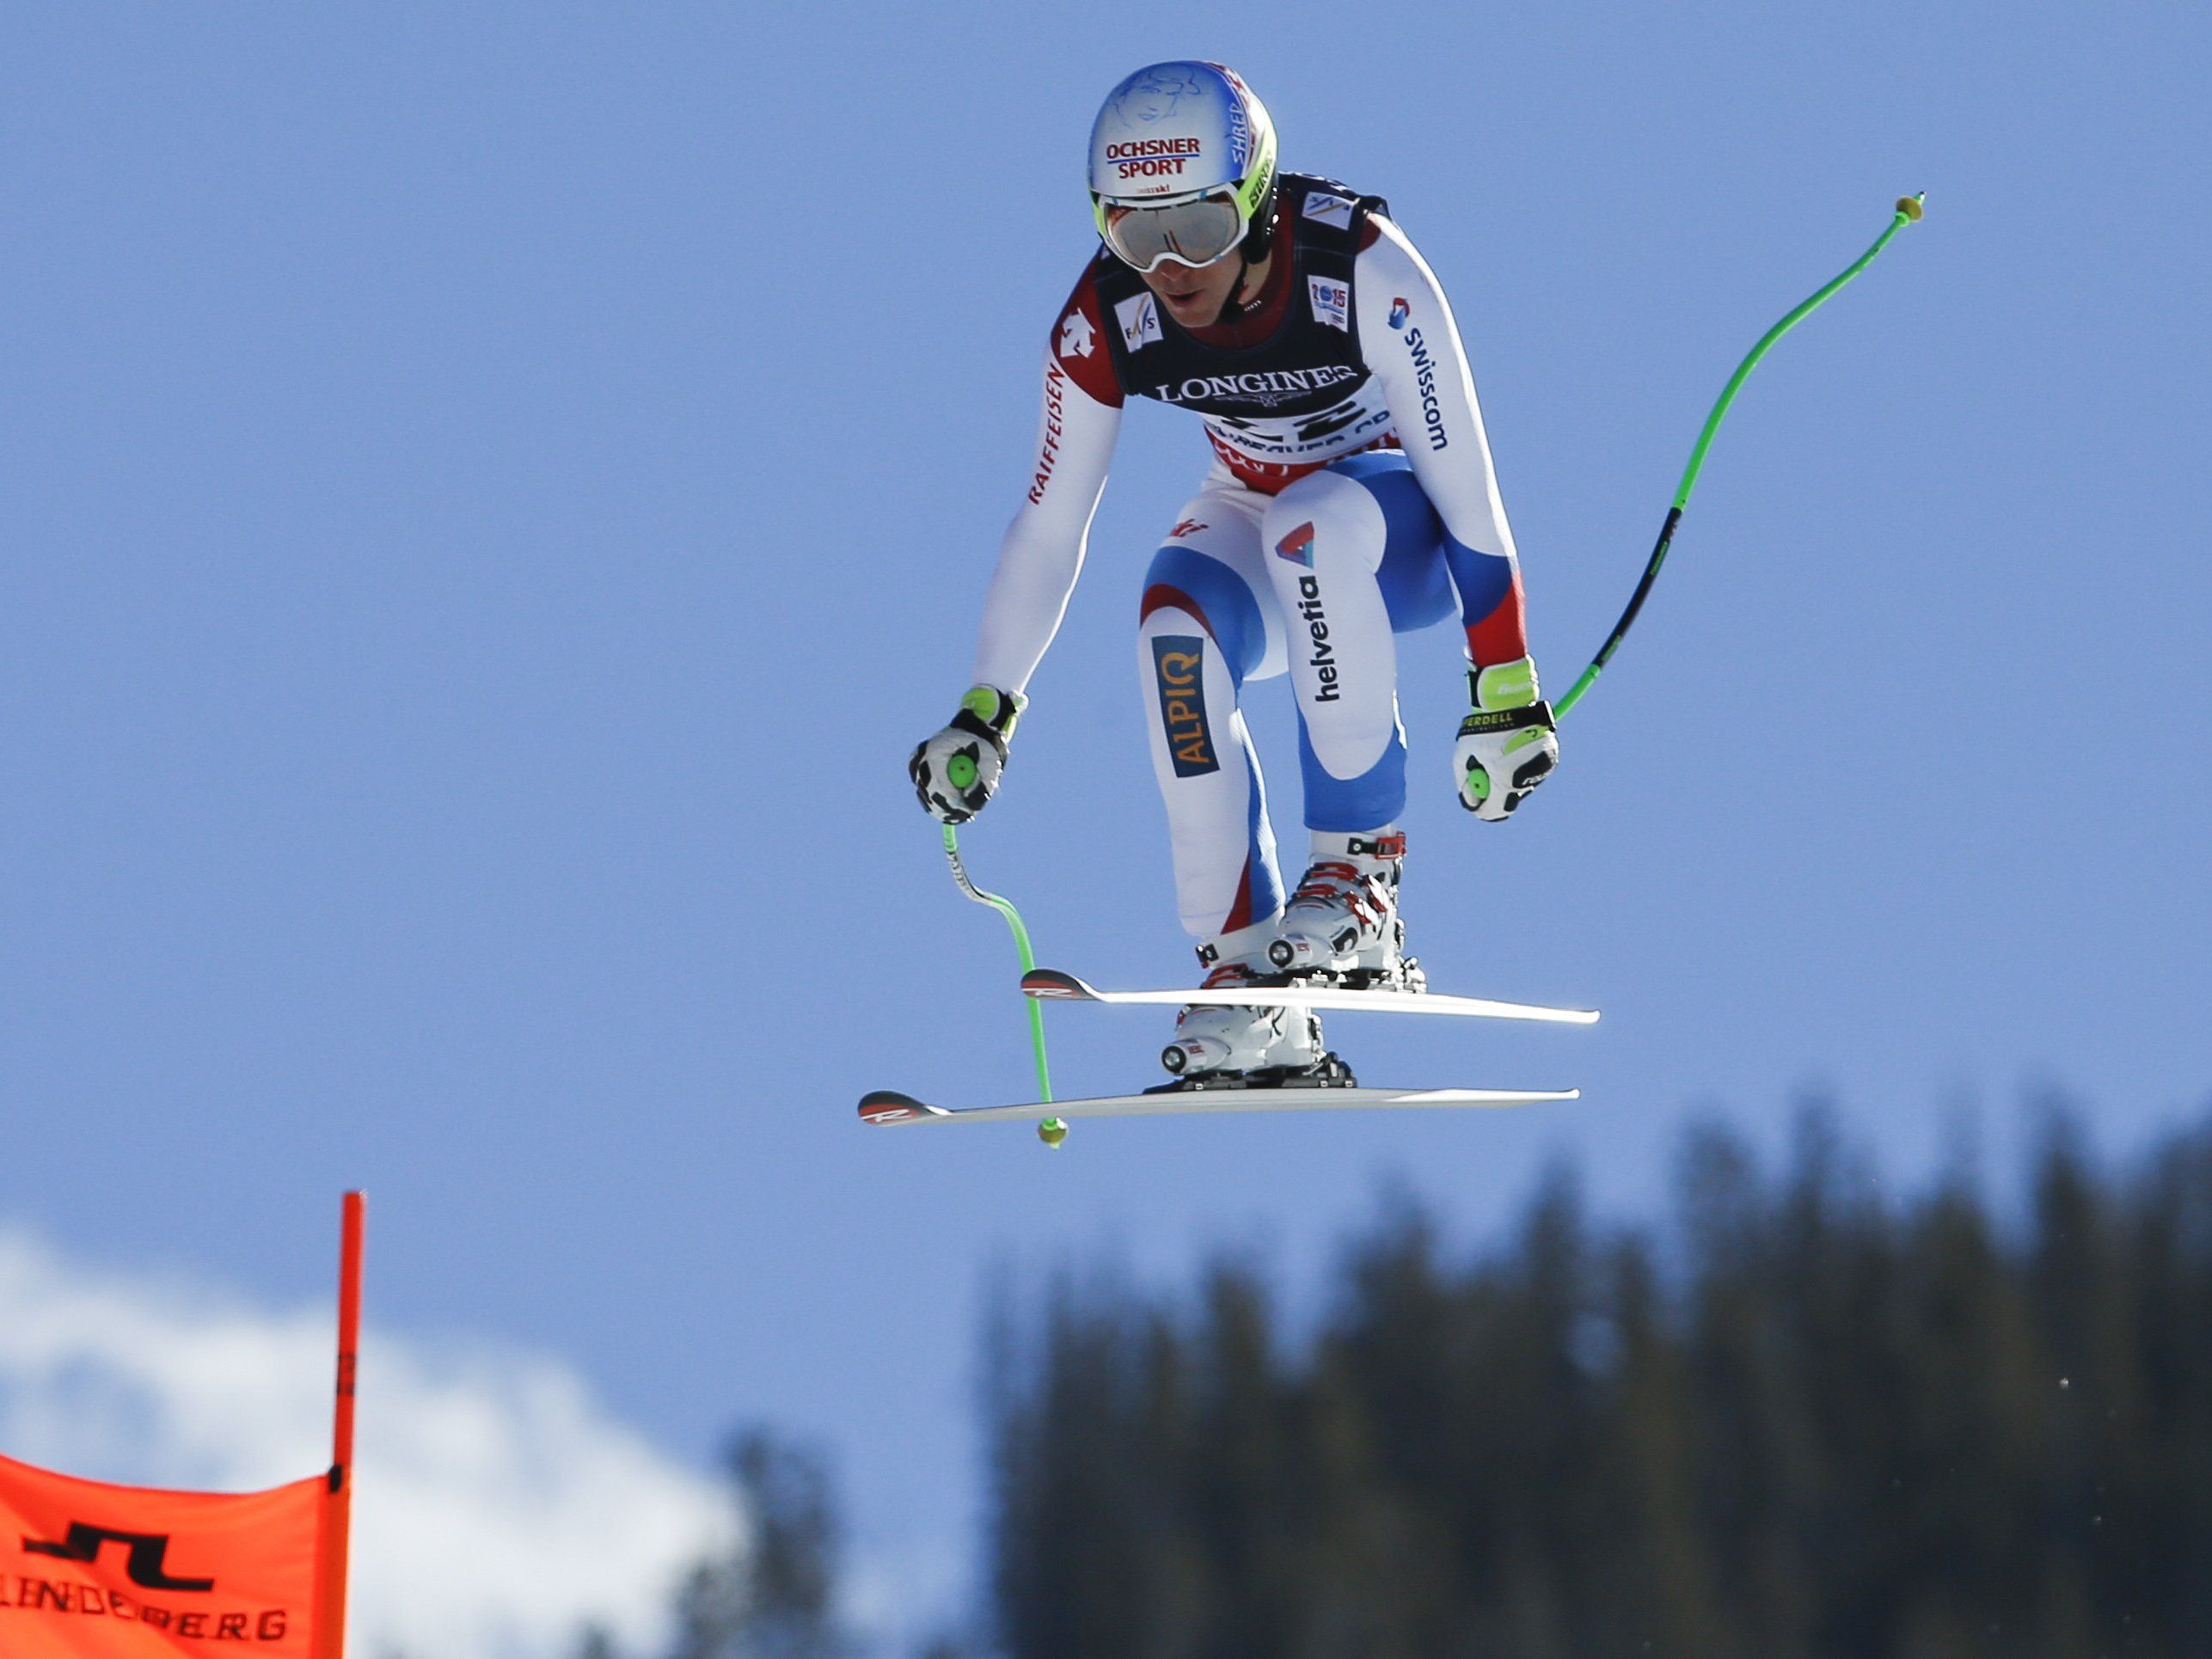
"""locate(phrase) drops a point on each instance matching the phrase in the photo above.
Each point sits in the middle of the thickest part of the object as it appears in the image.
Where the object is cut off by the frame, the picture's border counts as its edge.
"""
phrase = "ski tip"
(889, 1107)
(1050, 985)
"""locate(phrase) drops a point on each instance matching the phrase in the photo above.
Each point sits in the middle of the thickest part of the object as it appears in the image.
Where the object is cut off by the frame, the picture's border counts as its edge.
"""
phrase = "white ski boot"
(1218, 1046)
(1342, 925)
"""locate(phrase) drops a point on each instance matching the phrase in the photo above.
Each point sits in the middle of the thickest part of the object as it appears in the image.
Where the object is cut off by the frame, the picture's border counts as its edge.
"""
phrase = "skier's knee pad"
(1415, 585)
(1325, 536)
(1209, 593)
(1328, 515)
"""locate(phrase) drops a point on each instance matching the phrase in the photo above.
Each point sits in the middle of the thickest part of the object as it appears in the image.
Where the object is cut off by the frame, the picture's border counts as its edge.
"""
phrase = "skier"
(1351, 495)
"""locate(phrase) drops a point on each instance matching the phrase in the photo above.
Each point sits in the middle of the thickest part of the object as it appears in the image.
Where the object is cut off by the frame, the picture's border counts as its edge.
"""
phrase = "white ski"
(1049, 984)
(887, 1106)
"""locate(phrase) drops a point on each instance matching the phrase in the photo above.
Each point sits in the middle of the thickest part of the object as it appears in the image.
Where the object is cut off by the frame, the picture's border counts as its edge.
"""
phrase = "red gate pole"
(337, 1514)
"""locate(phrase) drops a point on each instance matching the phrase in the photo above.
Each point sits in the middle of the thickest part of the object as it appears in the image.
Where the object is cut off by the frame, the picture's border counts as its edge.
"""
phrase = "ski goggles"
(1195, 233)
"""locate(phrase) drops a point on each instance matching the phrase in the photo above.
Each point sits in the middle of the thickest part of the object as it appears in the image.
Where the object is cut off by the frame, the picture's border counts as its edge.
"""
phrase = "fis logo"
(1188, 527)
(1323, 208)
(1179, 662)
(1399, 312)
(1298, 546)
(1140, 321)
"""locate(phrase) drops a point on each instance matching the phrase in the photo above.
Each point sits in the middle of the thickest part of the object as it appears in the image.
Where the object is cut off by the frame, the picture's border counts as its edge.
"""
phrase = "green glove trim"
(996, 709)
(1504, 685)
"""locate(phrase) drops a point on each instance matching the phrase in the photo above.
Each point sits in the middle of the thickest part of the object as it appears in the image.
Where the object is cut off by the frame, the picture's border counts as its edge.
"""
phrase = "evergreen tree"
(773, 1596)
(1803, 1421)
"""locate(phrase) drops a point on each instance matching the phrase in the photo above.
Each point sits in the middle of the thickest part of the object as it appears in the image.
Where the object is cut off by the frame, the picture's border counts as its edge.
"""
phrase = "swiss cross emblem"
(1077, 337)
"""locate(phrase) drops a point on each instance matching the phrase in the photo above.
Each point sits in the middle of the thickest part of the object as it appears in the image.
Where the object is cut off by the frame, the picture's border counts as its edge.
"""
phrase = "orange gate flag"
(89, 1570)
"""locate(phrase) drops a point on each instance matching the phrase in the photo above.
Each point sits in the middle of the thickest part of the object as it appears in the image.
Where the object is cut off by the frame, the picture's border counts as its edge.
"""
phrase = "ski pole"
(1005, 907)
(1907, 210)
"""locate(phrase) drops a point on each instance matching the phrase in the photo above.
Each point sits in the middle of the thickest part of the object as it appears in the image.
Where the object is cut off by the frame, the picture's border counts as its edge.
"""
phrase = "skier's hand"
(955, 771)
(1509, 745)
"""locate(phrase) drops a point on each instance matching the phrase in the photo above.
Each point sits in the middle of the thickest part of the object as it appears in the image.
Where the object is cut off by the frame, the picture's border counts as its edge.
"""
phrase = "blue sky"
(495, 492)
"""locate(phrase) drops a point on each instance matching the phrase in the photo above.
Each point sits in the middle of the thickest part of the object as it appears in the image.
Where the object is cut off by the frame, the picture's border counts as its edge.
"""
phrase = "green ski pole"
(1908, 211)
(1051, 1130)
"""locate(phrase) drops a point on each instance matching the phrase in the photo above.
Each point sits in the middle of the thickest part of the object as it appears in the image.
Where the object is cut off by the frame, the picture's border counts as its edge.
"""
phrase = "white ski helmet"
(1182, 166)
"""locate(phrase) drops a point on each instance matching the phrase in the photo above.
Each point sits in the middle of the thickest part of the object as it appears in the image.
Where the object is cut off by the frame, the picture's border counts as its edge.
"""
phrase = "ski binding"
(1049, 984)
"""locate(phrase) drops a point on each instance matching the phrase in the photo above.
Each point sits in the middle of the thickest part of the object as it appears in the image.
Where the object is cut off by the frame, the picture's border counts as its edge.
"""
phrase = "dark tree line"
(773, 1594)
(1802, 1420)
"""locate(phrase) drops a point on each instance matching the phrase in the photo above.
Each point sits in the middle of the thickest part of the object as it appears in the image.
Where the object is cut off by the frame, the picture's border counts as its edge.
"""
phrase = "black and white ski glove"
(955, 771)
(1509, 745)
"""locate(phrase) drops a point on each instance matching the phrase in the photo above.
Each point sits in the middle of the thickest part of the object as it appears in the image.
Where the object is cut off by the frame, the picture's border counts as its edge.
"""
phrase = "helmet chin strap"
(1232, 307)
(1260, 235)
